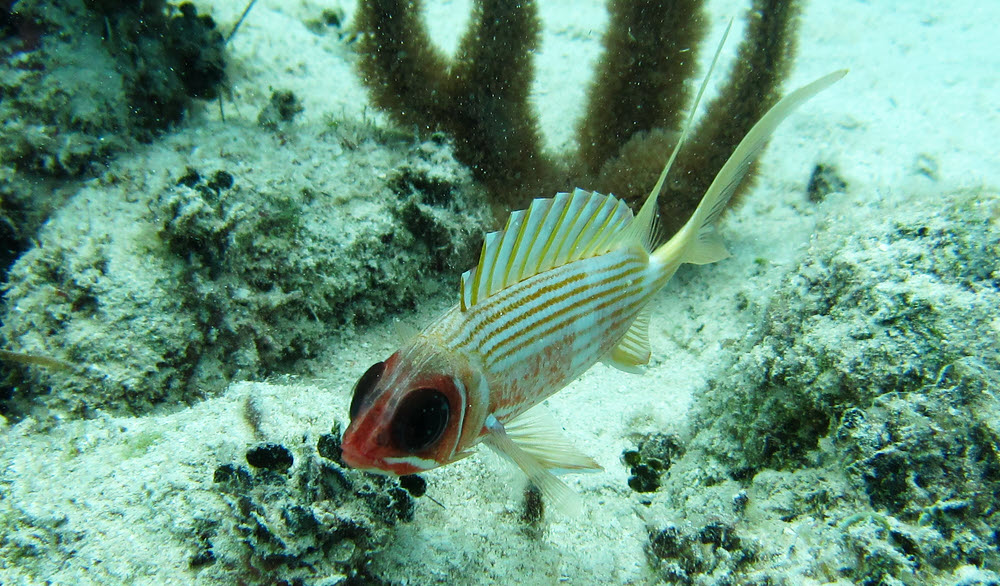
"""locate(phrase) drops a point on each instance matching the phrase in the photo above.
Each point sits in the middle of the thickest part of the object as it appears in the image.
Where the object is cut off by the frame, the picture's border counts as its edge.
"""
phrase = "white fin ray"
(501, 273)
(550, 233)
(537, 260)
(644, 229)
(487, 260)
(633, 351)
(555, 490)
(539, 436)
(609, 217)
(567, 245)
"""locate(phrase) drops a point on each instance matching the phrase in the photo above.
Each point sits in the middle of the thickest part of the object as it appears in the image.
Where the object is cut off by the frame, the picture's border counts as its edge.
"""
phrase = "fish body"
(533, 337)
(564, 285)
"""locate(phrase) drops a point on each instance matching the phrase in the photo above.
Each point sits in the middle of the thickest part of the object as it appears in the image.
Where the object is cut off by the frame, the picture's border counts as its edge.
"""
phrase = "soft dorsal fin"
(550, 233)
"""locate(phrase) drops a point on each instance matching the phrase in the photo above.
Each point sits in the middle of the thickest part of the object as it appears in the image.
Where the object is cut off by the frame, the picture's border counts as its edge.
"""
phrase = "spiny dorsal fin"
(550, 233)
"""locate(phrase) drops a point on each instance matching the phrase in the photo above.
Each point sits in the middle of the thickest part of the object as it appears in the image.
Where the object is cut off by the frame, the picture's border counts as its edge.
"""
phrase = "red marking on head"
(367, 444)
(404, 422)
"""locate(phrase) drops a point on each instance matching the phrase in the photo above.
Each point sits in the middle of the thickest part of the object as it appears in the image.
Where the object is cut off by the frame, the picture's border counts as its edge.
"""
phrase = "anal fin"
(633, 351)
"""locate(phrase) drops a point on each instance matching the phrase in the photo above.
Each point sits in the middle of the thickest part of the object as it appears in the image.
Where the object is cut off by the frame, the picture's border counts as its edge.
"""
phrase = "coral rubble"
(862, 408)
(243, 272)
(315, 523)
(83, 80)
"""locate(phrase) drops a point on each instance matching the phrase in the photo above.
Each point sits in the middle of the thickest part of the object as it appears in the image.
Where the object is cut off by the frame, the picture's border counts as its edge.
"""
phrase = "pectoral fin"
(538, 435)
(538, 450)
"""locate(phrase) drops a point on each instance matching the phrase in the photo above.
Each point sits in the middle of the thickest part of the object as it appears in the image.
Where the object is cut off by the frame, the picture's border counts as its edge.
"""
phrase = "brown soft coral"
(636, 101)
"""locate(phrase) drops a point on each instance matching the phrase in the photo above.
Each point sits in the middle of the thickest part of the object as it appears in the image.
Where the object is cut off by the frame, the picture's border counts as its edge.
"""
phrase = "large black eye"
(420, 419)
(365, 385)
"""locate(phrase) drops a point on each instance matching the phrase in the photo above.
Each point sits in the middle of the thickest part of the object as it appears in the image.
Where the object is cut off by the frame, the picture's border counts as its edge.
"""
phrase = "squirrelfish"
(564, 285)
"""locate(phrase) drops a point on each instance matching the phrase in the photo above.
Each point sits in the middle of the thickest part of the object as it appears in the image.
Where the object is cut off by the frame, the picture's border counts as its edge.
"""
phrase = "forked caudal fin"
(697, 242)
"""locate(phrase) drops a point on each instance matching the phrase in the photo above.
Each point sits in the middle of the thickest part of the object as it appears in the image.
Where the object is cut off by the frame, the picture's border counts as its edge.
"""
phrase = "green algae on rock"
(860, 411)
(83, 80)
(212, 274)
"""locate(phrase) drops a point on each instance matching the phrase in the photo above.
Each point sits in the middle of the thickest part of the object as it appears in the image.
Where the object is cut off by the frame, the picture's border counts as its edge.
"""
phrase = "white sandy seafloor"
(917, 115)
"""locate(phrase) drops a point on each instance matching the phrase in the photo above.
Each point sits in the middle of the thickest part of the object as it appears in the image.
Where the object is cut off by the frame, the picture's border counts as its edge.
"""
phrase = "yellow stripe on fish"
(564, 285)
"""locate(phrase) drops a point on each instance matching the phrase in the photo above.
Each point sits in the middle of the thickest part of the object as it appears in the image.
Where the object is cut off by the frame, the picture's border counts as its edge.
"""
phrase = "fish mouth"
(363, 461)
(378, 471)
(387, 466)
(355, 459)
(365, 453)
